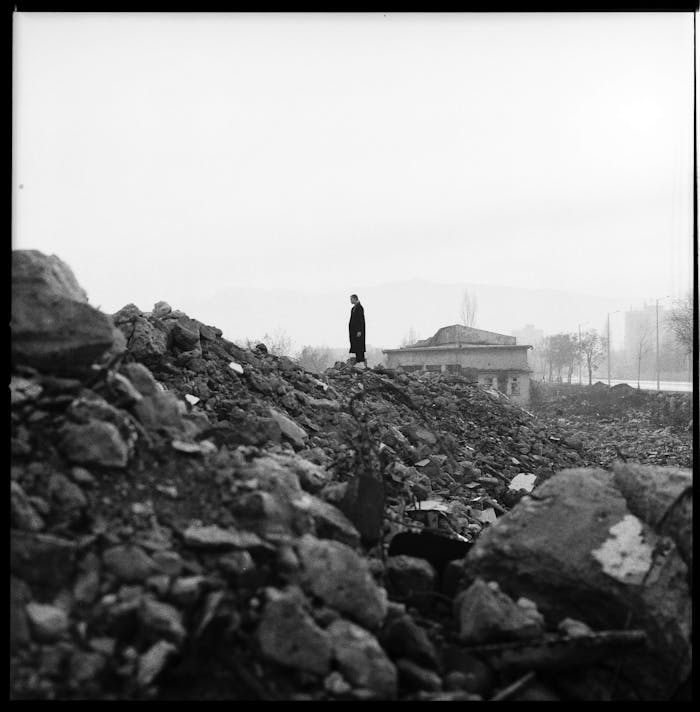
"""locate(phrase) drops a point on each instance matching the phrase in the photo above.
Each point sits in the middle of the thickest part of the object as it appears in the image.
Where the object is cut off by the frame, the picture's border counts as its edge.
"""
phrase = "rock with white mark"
(577, 551)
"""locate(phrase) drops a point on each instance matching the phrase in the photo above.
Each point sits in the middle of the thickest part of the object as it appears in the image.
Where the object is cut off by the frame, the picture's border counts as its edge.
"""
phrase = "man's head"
(354, 299)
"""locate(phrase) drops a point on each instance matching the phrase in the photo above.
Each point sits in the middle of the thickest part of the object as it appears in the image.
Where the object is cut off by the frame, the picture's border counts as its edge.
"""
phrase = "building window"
(514, 387)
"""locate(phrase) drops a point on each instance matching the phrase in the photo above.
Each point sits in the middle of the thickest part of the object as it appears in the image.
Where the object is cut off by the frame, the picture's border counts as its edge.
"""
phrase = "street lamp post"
(658, 370)
(580, 380)
(609, 313)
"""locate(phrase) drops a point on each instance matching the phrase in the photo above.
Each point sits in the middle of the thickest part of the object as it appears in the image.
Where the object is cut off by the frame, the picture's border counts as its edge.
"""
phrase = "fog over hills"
(320, 318)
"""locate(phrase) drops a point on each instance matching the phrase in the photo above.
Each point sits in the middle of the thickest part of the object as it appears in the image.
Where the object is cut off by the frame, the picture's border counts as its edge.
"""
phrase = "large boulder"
(53, 327)
(578, 549)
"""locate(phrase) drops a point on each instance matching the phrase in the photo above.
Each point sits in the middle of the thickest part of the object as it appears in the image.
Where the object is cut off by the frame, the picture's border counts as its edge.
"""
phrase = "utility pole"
(609, 313)
(658, 373)
(658, 370)
(579, 355)
(608, 349)
(580, 381)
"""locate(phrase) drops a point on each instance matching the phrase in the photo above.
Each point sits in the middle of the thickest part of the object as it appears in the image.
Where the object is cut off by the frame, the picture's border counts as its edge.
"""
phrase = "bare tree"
(315, 358)
(680, 321)
(643, 346)
(592, 349)
(468, 308)
(278, 342)
(410, 338)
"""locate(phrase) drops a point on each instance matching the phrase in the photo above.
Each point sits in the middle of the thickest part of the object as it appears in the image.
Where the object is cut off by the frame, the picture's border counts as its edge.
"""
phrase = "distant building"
(641, 323)
(495, 360)
(529, 335)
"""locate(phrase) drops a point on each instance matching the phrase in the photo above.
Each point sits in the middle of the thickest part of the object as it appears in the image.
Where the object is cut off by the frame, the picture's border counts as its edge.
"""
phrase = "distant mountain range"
(321, 318)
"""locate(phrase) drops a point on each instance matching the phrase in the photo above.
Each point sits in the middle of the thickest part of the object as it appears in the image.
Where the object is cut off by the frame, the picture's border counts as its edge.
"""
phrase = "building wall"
(481, 358)
(508, 365)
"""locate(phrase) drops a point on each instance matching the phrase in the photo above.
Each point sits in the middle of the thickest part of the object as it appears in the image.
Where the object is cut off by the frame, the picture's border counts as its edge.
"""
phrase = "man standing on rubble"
(357, 331)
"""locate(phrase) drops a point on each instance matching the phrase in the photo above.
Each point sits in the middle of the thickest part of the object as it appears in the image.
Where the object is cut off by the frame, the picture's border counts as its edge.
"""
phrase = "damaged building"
(494, 360)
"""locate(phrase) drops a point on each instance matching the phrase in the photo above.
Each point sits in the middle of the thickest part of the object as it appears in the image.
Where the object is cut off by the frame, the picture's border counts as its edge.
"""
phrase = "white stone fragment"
(523, 481)
(625, 555)
(192, 400)
(236, 367)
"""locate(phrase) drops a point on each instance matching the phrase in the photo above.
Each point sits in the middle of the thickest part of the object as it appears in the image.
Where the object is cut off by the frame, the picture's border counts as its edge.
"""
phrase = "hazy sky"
(168, 156)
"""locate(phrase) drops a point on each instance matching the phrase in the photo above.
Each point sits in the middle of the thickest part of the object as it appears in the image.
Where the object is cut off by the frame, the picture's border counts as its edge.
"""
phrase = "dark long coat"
(357, 323)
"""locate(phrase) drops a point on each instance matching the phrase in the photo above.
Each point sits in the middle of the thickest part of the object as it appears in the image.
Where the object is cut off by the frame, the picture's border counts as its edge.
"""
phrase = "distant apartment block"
(528, 335)
(495, 360)
(641, 324)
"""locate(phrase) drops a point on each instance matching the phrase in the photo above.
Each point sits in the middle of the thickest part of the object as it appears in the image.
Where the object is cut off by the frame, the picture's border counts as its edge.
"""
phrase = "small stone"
(336, 684)
(289, 428)
(416, 677)
(129, 563)
(95, 443)
(47, 622)
(169, 562)
(160, 309)
(288, 635)
(162, 619)
(214, 537)
(85, 666)
(141, 378)
(186, 590)
(486, 614)
(23, 514)
(574, 628)
(342, 579)
(152, 662)
(82, 476)
(361, 659)
(409, 575)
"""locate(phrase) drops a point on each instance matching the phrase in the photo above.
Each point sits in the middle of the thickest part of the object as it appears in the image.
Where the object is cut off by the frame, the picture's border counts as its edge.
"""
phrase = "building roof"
(459, 335)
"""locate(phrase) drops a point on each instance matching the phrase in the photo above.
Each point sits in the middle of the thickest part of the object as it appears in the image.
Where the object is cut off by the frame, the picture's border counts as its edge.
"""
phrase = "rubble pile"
(194, 520)
(620, 423)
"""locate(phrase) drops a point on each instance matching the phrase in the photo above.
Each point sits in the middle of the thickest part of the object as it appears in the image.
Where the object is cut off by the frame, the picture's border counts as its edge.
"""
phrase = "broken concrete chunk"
(215, 537)
(288, 635)
(577, 551)
(47, 622)
(409, 576)
(95, 443)
(342, 579)
(129, 563)
(289, 428)
(152, 662)
(361, 659)
(161, 619)
(487, 615)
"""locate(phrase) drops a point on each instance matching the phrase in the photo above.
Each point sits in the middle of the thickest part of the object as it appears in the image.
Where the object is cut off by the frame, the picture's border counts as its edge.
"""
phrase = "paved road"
(680, 386)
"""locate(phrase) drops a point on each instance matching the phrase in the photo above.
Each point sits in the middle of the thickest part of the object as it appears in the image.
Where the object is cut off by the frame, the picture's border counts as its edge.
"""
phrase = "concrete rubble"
(195, 520)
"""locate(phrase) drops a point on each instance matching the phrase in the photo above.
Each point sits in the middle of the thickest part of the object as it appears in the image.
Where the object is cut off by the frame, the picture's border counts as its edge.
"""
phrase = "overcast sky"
(167, 156)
